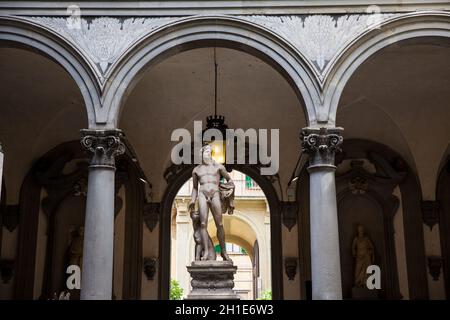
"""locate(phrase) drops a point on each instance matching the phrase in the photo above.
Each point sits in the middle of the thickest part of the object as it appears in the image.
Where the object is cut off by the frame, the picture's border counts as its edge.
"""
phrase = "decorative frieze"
(321, 144)
(105, 145)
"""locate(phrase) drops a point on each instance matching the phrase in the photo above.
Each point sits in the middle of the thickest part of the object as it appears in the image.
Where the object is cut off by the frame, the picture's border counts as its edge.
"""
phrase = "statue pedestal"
(364, 294)
(212, 280)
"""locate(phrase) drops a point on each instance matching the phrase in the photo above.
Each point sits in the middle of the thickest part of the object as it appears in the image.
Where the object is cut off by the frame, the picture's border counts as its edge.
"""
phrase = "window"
(249, 183)
(231, 248)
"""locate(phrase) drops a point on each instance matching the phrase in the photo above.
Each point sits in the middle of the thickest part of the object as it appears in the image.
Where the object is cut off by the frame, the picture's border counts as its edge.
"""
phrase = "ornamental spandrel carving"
(321, 144)
(103, 40)
(320, 38)
(105, 145)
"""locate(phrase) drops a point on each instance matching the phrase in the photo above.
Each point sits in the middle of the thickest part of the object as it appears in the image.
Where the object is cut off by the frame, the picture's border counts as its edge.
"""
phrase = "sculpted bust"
(210, 194)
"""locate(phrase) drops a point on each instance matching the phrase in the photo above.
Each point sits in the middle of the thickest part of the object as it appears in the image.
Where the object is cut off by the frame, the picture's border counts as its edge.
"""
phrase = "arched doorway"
(274, 226)
(251, 95)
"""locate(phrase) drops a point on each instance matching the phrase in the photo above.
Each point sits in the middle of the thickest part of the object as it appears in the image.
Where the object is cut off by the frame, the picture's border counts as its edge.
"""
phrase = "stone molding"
(182, 7)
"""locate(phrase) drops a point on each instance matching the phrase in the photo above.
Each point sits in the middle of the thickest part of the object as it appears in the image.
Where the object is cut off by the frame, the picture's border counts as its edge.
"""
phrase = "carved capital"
(430, 213)
(105, 145)
(321, 144)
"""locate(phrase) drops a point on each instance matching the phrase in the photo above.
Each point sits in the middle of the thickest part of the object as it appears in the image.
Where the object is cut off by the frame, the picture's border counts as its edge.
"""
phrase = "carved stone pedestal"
(212, 280)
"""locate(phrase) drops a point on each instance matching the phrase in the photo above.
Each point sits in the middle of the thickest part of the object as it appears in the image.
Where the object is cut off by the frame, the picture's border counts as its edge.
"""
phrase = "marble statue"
(363, 252)
(210, 193)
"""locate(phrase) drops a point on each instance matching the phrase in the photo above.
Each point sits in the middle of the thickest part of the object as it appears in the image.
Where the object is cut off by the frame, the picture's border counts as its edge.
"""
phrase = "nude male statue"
(207, 175)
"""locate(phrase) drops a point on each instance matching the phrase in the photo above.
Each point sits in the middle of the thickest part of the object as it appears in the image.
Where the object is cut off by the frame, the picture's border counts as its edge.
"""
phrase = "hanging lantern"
(218, 146)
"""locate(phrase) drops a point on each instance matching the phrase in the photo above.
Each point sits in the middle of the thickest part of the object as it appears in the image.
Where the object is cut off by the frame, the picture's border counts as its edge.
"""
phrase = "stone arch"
(368, 43)
(203, 31)
(183, 174)
(31, 36)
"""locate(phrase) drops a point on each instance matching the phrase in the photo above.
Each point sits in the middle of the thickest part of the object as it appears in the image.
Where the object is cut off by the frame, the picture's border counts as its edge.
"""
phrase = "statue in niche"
(75, 250)
(211, 194)
(363, 252)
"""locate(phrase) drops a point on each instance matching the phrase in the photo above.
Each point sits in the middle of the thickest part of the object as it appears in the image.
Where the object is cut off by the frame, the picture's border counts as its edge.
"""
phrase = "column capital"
(321, 144)
(105, 146)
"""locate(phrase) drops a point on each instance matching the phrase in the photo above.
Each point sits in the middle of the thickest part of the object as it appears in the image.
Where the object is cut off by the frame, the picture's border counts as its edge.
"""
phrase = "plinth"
(212, 280)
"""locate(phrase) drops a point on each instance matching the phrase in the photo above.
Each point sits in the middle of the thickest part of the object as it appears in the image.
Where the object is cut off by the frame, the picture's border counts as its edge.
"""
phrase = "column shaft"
(325, 261)
(97, 275)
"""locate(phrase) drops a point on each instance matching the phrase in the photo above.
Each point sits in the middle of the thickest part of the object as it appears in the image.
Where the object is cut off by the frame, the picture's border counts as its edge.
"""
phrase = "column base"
(212, 280)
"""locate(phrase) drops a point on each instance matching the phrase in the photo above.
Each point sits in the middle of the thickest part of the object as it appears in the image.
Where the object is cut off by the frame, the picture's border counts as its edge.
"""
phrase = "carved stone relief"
(319, 37)
(103, 40)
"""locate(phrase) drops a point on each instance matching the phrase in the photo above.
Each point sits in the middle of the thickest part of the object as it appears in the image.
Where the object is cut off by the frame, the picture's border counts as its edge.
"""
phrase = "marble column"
(97, 272)
(321, 144)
